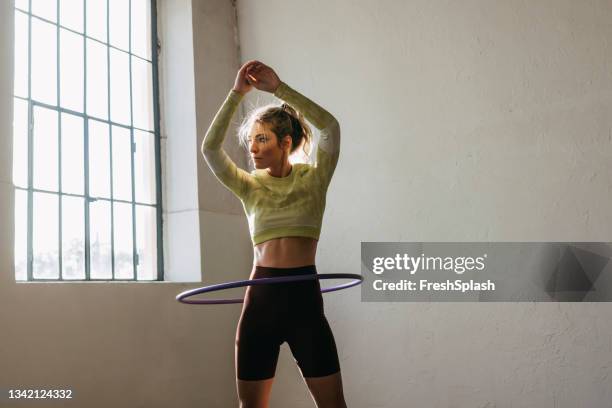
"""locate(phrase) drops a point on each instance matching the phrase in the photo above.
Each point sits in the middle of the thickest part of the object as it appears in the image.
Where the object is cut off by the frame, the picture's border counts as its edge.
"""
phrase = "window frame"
(59, 110)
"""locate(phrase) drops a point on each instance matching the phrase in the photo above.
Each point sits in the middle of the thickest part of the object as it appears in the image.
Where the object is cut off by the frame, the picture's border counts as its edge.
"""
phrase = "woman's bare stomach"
(285, 252)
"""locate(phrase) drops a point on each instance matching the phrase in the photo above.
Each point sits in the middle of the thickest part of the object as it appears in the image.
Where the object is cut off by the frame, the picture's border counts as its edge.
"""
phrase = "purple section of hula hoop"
(182, 297)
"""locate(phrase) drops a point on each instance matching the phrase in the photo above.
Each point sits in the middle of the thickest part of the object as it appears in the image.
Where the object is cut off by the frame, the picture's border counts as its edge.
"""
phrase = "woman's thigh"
(258, 340)
(313, 346)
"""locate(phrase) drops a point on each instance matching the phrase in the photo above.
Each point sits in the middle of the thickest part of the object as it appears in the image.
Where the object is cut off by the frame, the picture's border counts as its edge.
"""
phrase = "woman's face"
(263, 146)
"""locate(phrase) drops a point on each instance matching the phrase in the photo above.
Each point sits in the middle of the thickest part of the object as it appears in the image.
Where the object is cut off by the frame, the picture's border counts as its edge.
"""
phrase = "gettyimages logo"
(414, 264)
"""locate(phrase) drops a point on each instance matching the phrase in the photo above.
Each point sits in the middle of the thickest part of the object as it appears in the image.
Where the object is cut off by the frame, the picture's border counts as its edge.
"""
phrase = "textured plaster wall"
(461, 121)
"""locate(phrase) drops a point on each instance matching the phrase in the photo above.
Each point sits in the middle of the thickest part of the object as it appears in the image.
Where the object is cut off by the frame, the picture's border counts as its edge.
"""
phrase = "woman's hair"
(282, 120)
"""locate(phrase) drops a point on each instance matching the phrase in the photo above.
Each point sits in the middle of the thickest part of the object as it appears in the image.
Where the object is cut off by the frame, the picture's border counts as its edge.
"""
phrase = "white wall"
(461, 121)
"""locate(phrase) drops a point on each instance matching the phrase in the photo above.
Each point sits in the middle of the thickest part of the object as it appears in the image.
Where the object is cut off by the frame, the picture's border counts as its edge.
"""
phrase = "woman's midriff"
(285, 252)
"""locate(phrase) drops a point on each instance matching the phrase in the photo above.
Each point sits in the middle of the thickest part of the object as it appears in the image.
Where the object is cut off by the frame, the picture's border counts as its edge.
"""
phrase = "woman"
(284, 204)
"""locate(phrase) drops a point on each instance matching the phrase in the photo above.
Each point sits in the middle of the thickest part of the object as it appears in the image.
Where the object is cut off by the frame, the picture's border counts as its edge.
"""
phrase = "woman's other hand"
(262, 77)
(241, 84)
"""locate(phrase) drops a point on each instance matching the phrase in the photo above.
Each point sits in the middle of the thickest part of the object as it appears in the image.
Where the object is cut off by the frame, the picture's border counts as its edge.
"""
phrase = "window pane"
(20, 142)
(22, 4)
(79, 78)
(73, 167)
(142, 94)
(21, 234)
(45, 234)
(119, 23)
(120, 87)
(100, 238)
(45, 154)
(71, 14)
(99, 159)
(73, 238)
(122, 164)
(71, 70)
(45, 9)
(141, 28)
(21, 55)
(146, 242)
(97, 80)
(124, 260)
(96, 19)
(44, 62)
(144, 167)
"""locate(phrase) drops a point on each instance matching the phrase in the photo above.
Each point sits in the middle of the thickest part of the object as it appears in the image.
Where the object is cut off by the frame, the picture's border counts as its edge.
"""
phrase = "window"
(86, 153)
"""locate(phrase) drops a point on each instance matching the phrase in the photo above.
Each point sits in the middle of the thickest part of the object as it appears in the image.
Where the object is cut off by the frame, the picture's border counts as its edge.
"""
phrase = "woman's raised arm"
(234, 178)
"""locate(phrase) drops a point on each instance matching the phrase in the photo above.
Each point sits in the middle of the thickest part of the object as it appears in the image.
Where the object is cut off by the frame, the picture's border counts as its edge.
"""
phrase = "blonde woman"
(284, 204)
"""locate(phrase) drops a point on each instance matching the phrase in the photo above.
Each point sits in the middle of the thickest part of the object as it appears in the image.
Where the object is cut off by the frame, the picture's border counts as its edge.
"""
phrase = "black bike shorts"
(279, 312)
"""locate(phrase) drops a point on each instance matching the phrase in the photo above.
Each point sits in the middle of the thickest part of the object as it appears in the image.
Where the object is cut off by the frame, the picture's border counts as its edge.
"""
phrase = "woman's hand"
(241, 84)
(262, 77)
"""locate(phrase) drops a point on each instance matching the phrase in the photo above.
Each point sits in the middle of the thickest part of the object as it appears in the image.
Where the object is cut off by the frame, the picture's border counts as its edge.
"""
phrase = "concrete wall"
(472, 121)
(461, 121)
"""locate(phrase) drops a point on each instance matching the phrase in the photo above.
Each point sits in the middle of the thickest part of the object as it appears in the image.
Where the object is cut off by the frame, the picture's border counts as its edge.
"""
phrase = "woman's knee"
(254, 394)
(327, 391)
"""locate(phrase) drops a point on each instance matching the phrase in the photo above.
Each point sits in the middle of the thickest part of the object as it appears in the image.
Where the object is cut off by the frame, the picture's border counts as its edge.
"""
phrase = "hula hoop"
(183, 296)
